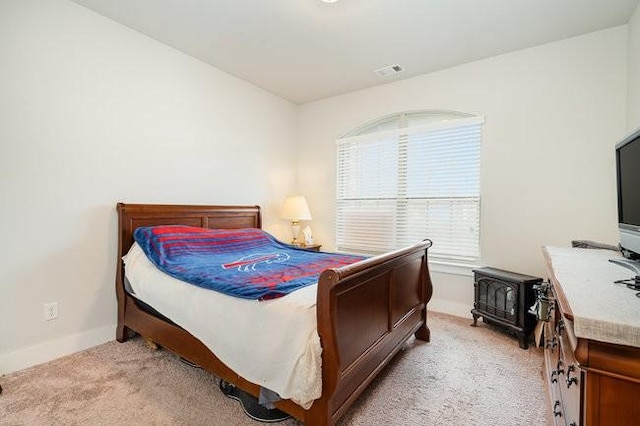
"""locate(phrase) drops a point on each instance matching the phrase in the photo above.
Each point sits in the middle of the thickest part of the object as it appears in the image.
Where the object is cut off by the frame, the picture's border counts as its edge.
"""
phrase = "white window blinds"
(398, 187)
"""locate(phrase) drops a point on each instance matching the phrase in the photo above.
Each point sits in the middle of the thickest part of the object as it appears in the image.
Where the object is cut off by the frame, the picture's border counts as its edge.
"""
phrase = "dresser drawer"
(571, 384)
(569, 376)
(565, 399)
(562, 371)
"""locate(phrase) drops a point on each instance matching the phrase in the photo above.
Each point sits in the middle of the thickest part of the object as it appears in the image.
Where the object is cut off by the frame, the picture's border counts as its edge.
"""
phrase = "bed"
(364, 311)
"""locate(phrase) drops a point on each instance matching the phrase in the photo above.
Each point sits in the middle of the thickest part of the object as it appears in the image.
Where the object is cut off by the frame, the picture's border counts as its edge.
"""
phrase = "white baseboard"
(452, 308)
(48, 351)
(53, 349)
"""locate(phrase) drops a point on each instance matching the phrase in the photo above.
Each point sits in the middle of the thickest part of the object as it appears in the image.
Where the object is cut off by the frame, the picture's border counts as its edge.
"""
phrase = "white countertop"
(602, 310)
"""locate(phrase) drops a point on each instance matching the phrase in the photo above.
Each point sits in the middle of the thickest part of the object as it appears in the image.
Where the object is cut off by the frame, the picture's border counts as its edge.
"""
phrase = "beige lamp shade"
(295, 208)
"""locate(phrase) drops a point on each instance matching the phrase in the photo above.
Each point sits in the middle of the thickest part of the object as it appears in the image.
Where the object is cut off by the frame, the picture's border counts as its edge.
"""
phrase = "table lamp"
(295, 209)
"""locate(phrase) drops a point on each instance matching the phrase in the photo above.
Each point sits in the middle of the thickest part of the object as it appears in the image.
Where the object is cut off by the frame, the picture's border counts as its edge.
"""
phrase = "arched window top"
(406, 119)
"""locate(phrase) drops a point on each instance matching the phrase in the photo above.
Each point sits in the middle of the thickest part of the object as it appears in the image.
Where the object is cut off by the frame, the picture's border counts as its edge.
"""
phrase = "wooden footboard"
(365, 311)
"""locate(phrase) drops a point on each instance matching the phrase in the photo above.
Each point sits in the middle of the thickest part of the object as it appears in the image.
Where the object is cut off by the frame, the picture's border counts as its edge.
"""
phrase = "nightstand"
(313, 247)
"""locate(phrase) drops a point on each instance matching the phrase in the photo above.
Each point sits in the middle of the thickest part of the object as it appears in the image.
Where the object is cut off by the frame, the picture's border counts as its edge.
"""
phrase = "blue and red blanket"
(247, 263)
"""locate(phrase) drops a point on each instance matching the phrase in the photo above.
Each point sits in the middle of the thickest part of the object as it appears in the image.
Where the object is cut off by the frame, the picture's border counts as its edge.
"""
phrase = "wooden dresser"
(592, 340)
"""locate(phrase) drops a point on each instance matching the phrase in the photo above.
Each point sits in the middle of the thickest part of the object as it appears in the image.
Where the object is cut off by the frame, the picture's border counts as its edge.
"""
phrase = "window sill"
(448, 267)
(435, 265)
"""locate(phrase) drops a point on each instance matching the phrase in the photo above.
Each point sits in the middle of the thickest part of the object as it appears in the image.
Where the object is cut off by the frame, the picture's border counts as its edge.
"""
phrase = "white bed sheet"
(272, 343)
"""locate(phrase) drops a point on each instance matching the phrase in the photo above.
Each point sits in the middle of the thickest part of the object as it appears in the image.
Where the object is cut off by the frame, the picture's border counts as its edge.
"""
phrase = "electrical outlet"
(50, 311)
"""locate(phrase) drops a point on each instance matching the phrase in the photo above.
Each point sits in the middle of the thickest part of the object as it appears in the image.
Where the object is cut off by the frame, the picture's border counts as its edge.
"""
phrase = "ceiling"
(305, 50)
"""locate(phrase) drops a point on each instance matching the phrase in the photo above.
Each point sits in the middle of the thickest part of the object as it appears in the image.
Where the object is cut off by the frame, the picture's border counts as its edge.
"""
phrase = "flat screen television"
(628, 179)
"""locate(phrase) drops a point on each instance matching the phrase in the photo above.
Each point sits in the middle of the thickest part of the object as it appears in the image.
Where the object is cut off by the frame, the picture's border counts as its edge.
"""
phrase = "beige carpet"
(464, 376)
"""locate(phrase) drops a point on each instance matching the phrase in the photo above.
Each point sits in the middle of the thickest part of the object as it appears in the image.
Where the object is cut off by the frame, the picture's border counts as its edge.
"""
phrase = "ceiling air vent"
(390, 70)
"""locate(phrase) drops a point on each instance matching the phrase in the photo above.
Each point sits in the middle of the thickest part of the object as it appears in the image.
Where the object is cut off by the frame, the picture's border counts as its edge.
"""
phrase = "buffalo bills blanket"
(246, 263)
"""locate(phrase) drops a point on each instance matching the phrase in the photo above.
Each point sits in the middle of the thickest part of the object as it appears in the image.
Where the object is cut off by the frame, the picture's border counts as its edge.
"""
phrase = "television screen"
(628, 158)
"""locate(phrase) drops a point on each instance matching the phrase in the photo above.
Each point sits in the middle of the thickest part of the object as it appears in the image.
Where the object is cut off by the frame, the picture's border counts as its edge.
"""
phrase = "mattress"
(272, 343)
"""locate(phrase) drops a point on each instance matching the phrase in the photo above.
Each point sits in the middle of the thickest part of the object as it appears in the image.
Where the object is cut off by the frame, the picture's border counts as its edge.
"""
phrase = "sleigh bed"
(365, 311)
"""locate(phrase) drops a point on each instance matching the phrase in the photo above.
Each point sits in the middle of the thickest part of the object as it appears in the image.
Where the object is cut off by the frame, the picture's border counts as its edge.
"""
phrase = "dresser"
(591, 340)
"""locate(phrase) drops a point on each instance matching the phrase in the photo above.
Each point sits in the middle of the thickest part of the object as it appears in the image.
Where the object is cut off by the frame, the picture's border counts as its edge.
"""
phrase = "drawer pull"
(556, 413)
(571, 380)
(558, 371)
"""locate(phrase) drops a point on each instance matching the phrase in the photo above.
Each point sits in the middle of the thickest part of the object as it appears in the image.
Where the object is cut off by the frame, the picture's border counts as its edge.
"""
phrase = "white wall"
(633, 72)
(92, 113)
(552, 114)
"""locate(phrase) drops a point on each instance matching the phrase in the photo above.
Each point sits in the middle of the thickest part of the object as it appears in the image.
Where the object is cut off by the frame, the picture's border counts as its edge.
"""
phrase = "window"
(408, 177)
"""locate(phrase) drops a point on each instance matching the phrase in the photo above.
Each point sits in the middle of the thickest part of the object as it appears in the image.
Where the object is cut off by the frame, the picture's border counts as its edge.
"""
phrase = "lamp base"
(295, 230)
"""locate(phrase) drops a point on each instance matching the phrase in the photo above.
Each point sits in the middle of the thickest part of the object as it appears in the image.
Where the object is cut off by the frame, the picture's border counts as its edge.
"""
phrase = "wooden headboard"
(132, 216)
